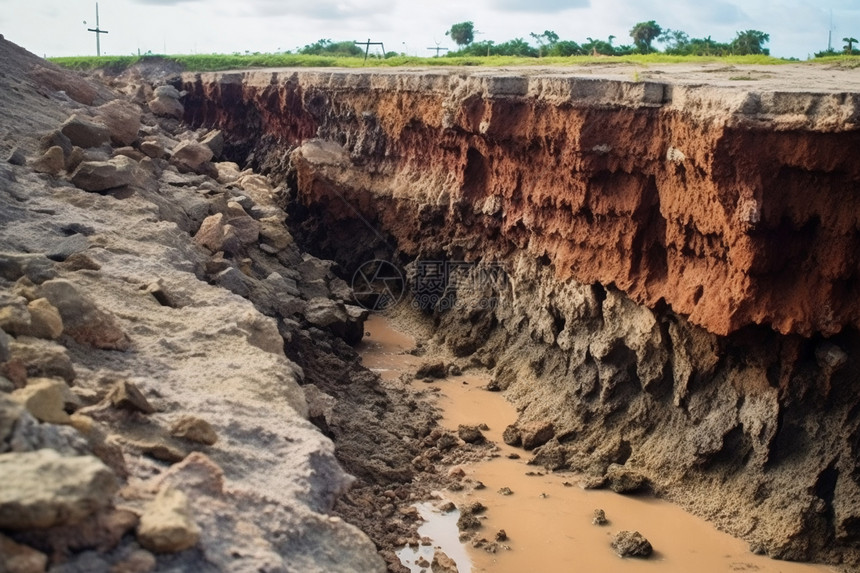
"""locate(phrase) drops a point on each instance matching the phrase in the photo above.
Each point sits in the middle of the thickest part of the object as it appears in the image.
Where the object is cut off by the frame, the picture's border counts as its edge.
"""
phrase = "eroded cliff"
(681, 273)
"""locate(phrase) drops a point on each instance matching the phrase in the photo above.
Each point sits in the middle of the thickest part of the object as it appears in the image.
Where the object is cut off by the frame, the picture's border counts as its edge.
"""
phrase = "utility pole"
(98, 32)
(367, 45)
(830, 33)
(438, 49)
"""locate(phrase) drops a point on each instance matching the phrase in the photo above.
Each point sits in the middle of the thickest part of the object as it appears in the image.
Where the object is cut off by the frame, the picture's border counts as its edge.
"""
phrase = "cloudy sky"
(56, 27)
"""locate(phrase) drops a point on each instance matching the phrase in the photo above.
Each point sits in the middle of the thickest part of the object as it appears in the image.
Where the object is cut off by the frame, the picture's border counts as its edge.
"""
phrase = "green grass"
(217, 62)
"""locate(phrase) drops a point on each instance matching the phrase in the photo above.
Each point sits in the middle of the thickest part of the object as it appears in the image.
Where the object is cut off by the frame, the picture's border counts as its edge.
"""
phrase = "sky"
(797, 28)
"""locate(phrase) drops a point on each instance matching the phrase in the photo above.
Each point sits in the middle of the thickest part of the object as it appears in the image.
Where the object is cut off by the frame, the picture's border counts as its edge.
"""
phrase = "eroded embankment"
(681, 293)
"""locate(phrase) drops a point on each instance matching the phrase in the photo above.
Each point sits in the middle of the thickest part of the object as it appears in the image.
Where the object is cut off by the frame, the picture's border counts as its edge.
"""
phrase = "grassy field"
(215, 62)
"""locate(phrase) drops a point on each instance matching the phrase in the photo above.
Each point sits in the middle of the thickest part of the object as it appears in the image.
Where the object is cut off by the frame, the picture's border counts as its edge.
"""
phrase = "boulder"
(194, 429)
(84, 132)
(536, 434)
(52, 162)
(166, 91)
(431, 370)
(470, 434)
(36, 267)
(122, 119)
(127, 396)
(5, 343)
(97, 176)
(625, 480)
(82, 319)
(166, 525)
(228, 172)
(17, 157)
(191, 155)
(44, 398)
(631, 544)
(43, 489)
(14, 317)
(56, 138)
(442, 563)
(45, 319)
(17, 558)
(511, 436)
(139, 561)
(152, 149)
(214, 140)
(164, 106)
(42, 358)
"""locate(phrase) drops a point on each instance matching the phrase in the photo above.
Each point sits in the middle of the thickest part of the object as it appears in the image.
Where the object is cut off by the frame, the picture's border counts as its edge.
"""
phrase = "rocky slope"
(168, 354)
(679, 295)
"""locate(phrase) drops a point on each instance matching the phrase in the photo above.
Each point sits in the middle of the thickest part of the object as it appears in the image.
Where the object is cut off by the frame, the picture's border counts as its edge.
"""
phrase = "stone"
(213, 235)
(431, 370)
(10, 411)
(42, 358)
(129, 152)
(190, 155)
(163, 106)
(5, 343)
(625, 480)
(80, 262)
(17, 157)
(139, 561)
(98, 176)
(511, 436)
(214, 140)
(536, 434)
(101, 531)
(470, 434)
(43, 489)
(52, 162)
(44, 398)
(274, 232)
(75, 158)
(45, 319)
(166, 525)
(194, 429)
(84, 132)
(37, 268)
(127, 396)
(442, 563)
(631, 544)
(233, 280)
(228, 172)
(56, 138)
(122, 120)
(152, 149)
(82, 319)
(14, 317)
(17, 558)
(166, 91)
(599, 517)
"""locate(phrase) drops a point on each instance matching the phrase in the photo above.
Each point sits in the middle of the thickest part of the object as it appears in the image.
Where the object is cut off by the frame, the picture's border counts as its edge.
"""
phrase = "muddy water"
(548, 517)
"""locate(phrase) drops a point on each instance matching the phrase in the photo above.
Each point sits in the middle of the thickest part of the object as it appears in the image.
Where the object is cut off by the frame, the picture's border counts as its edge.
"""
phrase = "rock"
(56, 139)
(98, 176)
(599, 517)
(80, 262)
(511, 436)
(501, 535)
(37, 268)
(625, 480)
(190, 155)
(5, 343)
(152, 149)
(214, 140)
(166, 525)
(82, 319)
(62, 249)
(273, 232)
(536, 434)
(233, 280)
(14, 316)
(139, 561)
(129, 152)
(45, 319)
(17, 157)
(228, 172)
(164, 106)
(442, 563)
(631, 544)
(194, 429)
(43, 489)
(42, 358)
(75, 158)
(52, 162)
(127, 396)
(166, 91)
(429, 371)
(122, 120)
(216, 235)
(10, 411)
(470, 434)
(17, 558)
(101, 531)
(84, 132)
(44, 398)
(506, 491)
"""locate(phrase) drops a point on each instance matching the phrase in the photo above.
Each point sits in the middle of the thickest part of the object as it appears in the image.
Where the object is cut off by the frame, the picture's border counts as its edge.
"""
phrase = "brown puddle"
(548, 524)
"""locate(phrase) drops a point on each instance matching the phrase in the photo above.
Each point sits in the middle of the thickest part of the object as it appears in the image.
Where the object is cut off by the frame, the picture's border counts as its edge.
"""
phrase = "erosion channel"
(661, 272)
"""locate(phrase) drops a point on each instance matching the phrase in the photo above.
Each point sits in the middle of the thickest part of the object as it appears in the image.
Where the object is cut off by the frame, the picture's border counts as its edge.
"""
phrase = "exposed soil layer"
(679, 290)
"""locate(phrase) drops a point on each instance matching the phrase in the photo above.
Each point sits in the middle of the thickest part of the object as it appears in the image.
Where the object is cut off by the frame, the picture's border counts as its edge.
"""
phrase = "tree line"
(643, 34)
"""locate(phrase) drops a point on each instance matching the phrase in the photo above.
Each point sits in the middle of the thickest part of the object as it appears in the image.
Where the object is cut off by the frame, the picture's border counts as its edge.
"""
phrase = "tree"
(548, 38)
(463, 33)
(849, 41)
(329, 48)
(750, 42)
(565, 48)
(644, 33)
